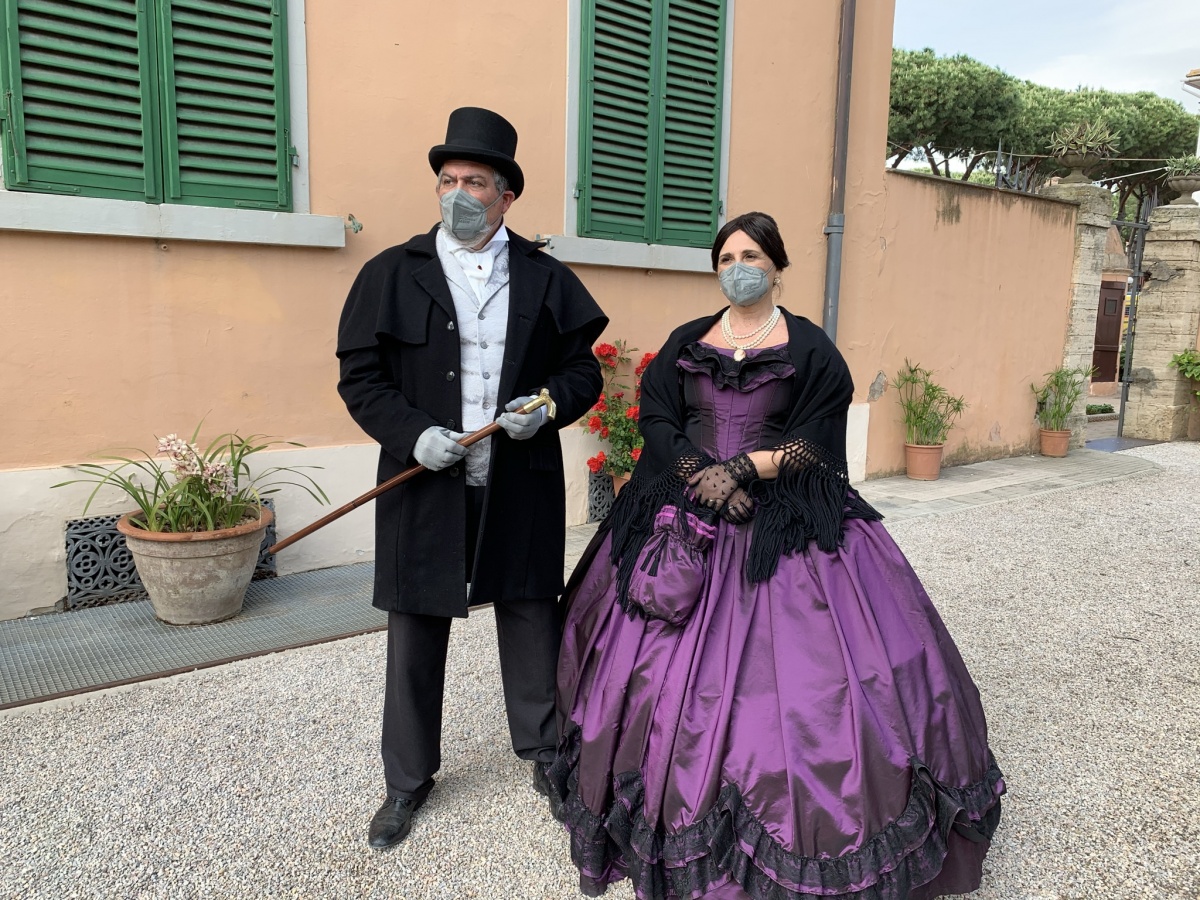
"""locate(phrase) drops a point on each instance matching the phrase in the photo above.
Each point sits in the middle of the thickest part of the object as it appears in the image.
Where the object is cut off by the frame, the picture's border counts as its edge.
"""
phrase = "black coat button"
(450, 424)
(449, 376)
(449, 326)
(454, 472)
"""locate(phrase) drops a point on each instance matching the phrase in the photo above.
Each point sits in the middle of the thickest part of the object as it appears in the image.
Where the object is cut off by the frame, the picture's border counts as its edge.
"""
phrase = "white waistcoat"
(482, 329)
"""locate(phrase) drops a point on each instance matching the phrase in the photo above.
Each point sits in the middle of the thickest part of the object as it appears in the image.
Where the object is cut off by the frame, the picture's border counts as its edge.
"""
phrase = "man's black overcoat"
(399, 351)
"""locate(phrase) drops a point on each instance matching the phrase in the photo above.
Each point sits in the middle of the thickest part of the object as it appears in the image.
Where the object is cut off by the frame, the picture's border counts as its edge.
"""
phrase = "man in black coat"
(438, 336)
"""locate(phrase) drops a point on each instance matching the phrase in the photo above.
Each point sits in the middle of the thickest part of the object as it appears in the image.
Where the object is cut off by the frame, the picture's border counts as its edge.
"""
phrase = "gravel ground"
(1076, 613)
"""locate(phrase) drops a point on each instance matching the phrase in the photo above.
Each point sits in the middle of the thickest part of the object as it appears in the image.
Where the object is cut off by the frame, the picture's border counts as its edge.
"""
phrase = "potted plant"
(614, 418)
(1056, 398)
(1080, 146)
(196, 533)
(1183, 175)
(929, 413)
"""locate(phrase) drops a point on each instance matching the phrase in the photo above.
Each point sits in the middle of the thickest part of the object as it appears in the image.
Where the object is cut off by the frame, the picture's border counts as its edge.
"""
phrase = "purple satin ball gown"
(812, 735)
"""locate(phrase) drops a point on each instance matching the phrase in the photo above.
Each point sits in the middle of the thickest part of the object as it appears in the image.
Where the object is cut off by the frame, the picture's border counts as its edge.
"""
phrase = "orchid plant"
(183, 488)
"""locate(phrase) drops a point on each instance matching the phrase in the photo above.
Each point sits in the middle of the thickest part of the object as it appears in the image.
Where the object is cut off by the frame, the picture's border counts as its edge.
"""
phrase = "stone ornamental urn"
(1078, 163)
(1186, 185)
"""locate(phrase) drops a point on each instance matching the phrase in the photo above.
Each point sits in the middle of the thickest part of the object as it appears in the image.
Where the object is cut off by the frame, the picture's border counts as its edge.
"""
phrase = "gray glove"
(521, 425)
(438, 448)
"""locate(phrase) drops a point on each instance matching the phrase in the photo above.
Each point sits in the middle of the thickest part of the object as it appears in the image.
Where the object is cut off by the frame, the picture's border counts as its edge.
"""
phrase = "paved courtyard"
(1076, 611)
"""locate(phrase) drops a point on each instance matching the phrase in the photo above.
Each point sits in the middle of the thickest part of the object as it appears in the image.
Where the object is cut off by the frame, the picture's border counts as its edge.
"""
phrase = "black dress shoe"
(541, 784)
(392, 822)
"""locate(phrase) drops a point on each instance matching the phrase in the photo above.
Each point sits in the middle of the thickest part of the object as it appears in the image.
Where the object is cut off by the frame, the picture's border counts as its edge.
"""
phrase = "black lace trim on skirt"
(730, 844)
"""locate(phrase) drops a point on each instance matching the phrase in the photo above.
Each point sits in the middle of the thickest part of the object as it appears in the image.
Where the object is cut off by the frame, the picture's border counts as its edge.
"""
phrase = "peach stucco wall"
(109, 341)
(969, 281)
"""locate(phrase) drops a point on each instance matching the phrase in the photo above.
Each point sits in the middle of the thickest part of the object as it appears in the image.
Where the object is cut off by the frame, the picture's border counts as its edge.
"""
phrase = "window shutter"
(225, 103)
(616, 156)
(690, 136)
(79, 106)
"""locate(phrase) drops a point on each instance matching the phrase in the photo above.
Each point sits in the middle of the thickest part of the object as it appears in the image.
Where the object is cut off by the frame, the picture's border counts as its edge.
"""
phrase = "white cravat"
(477, 264)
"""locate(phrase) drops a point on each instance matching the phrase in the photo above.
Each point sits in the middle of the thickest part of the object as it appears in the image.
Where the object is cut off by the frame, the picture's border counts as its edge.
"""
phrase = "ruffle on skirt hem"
(730, 844)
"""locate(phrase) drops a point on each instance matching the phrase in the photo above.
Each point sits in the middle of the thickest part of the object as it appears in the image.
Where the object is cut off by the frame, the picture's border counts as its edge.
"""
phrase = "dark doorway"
(1108, 330)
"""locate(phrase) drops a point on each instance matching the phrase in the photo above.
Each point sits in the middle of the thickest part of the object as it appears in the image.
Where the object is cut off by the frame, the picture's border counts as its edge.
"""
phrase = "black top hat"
(482, 136)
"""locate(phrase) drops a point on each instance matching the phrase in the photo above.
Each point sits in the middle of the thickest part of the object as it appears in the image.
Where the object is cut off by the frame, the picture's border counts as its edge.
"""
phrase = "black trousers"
(528, 633)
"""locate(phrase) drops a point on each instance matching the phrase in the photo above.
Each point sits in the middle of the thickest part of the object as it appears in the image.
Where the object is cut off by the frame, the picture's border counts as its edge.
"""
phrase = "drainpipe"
(835, 225)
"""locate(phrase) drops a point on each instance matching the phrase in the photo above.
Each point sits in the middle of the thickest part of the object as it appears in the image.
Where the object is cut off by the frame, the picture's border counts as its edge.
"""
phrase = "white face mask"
(744, 284)
(465, 216)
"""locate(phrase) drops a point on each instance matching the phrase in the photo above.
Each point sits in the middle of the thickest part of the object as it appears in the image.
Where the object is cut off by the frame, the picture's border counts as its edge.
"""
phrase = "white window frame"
(568, 246)
(62, 214)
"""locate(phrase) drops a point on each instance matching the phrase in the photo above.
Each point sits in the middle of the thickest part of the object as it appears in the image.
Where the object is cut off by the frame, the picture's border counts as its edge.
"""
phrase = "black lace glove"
(739, 508)
(715, 484)
(741, 469)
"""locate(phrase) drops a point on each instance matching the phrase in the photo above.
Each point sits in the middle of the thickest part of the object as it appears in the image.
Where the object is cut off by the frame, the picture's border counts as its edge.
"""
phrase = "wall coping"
(987, 188)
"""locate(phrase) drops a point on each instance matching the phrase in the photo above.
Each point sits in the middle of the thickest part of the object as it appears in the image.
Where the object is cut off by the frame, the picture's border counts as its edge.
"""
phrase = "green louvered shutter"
(616, 156)
(690, 123)
(225, 103)
(79, 104)
(650, 120)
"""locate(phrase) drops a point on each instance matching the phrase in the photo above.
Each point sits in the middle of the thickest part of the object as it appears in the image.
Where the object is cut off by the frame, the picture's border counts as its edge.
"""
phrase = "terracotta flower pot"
(1054, 443)
(194, 578)
(619, 481)
(923, 461)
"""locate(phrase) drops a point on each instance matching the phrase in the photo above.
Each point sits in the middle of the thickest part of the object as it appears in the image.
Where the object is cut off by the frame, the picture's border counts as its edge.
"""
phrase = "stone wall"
(1091, 237)
(1161, 403)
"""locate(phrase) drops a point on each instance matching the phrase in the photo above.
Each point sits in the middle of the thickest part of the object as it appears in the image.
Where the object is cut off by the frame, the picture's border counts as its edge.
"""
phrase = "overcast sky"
(1135, 45)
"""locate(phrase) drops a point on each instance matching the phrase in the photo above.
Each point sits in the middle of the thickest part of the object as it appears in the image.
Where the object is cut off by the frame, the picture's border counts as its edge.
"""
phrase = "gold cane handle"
(542, 399)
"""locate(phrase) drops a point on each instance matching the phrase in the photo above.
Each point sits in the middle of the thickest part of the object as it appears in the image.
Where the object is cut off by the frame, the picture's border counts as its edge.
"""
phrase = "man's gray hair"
(501, 181)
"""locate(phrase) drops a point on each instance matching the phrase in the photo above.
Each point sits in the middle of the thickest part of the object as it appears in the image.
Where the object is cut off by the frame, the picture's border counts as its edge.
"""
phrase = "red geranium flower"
(632, 412)
(636, 453)
(645, 362)
(604, 434)
(596, 463)
(594, 424)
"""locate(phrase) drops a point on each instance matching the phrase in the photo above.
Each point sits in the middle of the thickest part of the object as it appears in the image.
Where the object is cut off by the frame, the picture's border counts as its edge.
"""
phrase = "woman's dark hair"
(761, 229)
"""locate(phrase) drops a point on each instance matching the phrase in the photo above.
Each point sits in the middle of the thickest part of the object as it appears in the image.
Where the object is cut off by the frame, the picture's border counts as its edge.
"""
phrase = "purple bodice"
(735, 406)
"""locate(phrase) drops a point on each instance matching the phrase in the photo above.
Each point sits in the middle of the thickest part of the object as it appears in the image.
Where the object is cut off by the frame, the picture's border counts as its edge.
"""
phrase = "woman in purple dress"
(756, 696)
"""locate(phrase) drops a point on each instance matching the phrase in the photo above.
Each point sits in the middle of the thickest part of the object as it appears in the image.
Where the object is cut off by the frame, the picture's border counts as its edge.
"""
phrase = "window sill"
(22, 211)
(593, 252)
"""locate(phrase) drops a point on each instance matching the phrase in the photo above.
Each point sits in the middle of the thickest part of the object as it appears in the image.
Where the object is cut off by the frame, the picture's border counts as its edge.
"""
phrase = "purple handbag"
(670, 571)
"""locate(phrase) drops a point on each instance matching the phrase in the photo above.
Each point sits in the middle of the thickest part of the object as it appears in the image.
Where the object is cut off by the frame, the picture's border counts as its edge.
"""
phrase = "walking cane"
(542, 399)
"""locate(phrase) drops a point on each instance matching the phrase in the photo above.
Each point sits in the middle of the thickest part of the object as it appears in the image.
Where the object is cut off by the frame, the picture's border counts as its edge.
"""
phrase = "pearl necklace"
(759, 334)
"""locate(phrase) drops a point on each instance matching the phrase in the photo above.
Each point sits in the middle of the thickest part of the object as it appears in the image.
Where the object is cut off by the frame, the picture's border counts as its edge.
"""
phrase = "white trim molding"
(67, 214)
(569, 247)
(593, 252)
(21, 211)
(858, 421)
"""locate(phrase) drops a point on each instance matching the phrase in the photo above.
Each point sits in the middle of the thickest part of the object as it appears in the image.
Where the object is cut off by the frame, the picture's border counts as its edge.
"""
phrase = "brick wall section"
(1161, 404)
(1091, 236)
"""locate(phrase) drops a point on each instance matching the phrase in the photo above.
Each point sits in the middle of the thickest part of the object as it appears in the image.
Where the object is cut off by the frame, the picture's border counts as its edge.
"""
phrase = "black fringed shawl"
(809, 500)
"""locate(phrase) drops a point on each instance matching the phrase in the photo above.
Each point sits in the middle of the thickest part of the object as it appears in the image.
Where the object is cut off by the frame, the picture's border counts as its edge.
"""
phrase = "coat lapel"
(527, 283)
(431, 276)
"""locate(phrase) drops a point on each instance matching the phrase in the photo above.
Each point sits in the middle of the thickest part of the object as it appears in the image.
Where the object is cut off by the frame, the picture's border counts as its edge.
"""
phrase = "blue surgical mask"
(744, 284)
(465, 216)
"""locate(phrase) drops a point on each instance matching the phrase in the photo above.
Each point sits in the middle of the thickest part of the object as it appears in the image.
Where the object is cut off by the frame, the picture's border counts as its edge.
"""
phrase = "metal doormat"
(100, 567)
(57, 655)
(600, 495)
